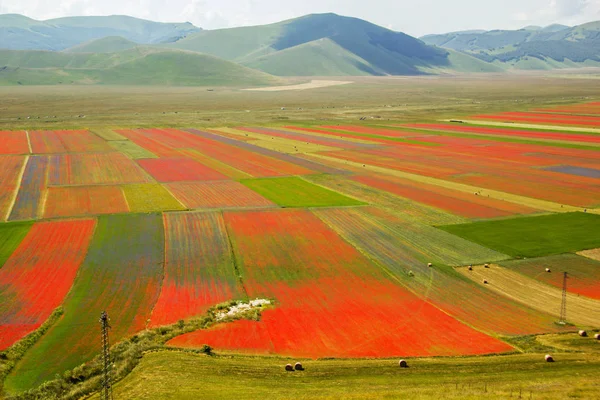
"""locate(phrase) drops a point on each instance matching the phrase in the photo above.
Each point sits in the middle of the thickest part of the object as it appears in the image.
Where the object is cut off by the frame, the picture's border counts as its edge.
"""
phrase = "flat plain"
(355, 210)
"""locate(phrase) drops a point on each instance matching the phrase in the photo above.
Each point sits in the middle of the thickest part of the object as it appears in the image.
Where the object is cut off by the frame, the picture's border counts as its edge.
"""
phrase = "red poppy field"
(158, 225)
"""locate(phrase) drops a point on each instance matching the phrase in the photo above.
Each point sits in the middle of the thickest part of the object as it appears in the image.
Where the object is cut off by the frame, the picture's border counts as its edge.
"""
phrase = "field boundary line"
(236, 267)
(11, 205)
(495, 194)
(528, 126)
(44, 195)
(28, 142)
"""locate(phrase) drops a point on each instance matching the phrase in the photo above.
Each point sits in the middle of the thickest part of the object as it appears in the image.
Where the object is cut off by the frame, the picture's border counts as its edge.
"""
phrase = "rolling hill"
(138, 66)
(107, 44)
(18, 32)
(323, 44)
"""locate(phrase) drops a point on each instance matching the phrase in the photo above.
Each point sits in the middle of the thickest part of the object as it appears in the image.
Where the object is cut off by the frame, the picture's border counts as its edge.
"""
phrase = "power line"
(563, 305)
(106, 387)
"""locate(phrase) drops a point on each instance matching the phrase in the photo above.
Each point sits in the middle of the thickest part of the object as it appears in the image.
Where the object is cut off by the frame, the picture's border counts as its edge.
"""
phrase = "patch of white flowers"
(242, 308)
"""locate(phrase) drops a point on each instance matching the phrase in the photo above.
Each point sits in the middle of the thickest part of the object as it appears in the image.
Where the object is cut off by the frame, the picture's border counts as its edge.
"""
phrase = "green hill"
(323, 44)
(322, 57)
(18, 32)
(138, 66)
(108, 44)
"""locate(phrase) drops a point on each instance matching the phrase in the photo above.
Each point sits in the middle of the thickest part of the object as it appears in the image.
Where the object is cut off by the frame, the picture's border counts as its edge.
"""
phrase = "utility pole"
(563, 306)
(106, 387)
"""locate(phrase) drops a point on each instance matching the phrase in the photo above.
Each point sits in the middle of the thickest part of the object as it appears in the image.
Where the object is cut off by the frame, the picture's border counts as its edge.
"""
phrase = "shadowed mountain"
(321, 44)
(552, 47)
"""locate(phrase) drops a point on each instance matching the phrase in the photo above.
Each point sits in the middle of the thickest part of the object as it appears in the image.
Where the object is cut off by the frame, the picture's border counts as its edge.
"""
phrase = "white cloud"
(416, 18)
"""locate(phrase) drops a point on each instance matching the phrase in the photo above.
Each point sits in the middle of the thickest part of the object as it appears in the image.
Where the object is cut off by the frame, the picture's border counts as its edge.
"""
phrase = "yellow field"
(275, 143)
(594, 254)
(580, 310)
(150, 197)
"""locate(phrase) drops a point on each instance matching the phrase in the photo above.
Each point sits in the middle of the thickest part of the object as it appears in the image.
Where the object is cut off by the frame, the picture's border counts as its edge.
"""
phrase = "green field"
(177, 375)
(296, 192)
(11, 235)
(534, 236)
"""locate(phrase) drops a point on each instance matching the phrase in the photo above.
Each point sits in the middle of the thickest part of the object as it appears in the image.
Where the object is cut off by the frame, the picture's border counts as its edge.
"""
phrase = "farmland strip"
(121, 274)
(199, 269)
(29, 198)
(513, 198)
(270, 153)
(11, 190)
(38, 275)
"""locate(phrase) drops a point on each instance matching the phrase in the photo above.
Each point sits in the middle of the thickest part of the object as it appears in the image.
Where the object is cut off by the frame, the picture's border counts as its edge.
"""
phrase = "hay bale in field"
(470, 268)
(582, 333)
(549, 358)
(430, 265)
(403, 364)
(485, 282)
(548, 270)
(298, 367)
(289, 367)
(486, 266)
(597, 336)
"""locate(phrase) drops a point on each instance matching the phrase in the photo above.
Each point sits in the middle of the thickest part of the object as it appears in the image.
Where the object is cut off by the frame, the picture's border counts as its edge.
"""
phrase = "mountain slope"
(322, 57)
(18, 32)
(139, 66)
(109, 44)
(367, 48)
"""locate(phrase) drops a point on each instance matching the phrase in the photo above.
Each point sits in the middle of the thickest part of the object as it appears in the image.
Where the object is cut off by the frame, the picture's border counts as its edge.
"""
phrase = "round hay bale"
(486, 265)
(548, 270)
(582, 333)
(430, 265)
(289, 367)
(470, 268)
(549, 358)
(597, 336)
(403, 364)
(485, 282)
(298, 367)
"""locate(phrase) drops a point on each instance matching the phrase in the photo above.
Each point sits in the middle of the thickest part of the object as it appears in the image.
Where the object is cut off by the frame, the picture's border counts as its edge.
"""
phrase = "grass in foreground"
(296, 192)
(178, 375)
(534, 236)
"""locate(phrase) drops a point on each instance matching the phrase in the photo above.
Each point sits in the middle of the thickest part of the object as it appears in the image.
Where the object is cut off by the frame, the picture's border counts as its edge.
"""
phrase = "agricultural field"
(366, 238)
(534, 236)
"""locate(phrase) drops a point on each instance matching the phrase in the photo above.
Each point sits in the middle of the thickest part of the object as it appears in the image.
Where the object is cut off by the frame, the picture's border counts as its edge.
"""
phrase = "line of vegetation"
(86, 379)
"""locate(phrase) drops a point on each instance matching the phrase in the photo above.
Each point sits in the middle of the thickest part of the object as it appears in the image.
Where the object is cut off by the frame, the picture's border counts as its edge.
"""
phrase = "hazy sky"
(415, 17)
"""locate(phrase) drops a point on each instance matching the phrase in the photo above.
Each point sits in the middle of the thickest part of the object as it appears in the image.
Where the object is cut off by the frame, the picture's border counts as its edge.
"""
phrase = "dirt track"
(314, 84)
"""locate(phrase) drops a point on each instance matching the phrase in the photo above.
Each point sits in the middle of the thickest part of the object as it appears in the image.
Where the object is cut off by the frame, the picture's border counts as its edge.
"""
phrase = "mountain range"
(126, 50)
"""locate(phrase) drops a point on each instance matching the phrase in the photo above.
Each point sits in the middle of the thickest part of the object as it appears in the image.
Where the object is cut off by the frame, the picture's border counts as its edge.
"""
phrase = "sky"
(414, 17)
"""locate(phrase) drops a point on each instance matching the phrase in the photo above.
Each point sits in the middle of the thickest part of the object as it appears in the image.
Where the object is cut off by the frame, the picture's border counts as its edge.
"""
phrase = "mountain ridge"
(18, 32)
